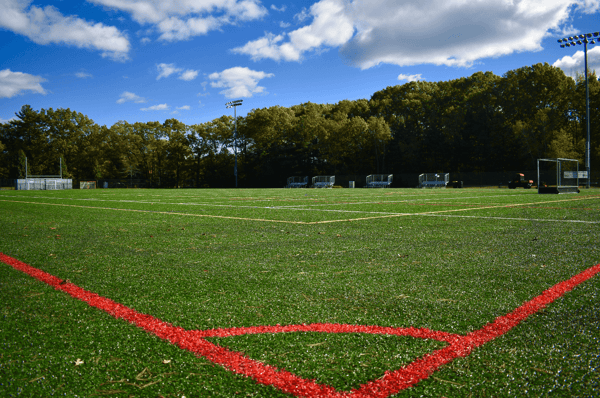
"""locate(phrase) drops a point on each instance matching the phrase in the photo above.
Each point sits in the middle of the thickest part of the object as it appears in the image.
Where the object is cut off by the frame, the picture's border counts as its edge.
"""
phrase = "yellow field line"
(301, 222)
(447, 211)
(500, 206)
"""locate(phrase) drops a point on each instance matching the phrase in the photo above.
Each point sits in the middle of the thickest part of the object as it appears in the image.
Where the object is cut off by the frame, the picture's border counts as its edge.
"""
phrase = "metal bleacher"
(297, 182)
(323, 181)
(379, 180)
(434, 180)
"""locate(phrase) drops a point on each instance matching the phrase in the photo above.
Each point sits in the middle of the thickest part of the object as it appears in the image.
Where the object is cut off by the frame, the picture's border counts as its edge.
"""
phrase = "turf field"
(299, 292)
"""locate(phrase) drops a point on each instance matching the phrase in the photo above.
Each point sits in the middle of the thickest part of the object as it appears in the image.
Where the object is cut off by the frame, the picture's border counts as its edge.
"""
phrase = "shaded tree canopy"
(481, 123)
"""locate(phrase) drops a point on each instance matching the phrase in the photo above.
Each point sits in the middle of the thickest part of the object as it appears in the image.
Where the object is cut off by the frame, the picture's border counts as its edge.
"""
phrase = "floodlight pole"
(572, 41)
(234, 105)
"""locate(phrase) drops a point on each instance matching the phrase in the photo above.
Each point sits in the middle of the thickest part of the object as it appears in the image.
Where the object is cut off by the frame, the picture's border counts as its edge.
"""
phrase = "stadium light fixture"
(234, 105)
(584, 39)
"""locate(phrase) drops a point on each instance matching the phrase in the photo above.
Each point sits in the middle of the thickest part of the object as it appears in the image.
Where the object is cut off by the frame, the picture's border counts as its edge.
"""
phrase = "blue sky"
(151, 60)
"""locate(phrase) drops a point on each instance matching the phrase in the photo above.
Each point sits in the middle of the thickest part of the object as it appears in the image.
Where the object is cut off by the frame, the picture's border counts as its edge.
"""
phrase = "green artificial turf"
(344, 361)
(448, 260)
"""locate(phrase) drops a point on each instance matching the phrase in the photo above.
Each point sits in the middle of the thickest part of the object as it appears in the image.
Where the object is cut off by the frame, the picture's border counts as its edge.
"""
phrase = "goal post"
(556, 176)
(42, 182)
(34, 184)
(87, 184)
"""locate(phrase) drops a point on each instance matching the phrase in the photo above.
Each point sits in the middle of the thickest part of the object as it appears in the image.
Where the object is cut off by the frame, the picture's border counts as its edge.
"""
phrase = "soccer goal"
(379, 180)
(31, 184)
(434, 180)
(87, 184)
(558, 175)
(43, 182)
(323, 181)
(297, 182)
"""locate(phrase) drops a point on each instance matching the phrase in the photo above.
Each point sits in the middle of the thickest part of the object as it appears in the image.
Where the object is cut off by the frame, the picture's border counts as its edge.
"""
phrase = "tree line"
(474, 124)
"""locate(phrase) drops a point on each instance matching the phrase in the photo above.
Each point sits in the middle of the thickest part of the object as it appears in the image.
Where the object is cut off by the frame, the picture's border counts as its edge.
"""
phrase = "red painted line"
(391, 383)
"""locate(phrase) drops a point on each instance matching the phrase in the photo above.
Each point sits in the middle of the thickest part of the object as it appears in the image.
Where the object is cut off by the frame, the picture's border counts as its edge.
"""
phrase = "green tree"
(66, 133)
(563, 146)
(177, 147)
(115, 149)
(64, 170)
(27, 133)
(198, 139)
(380, 135)
(90, 155)
(535, 102)
(3, 156)
(407, 109)
(274, 144)
(23, 170)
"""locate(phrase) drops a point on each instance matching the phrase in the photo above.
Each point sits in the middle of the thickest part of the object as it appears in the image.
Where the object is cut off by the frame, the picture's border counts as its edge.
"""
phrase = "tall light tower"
(234, 104)
(572, 41)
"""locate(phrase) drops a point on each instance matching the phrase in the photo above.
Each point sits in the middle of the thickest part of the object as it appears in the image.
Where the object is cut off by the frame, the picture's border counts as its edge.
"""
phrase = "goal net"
(87, 184)
(558, 176)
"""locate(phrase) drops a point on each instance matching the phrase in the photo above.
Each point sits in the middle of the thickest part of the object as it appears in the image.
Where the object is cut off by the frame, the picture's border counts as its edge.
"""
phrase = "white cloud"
(183, 19)
(575, 64)
(7, 120)
(280, 9)
(83, 75)
(174, 29)
(188, 75)
(130, 97)
(47, 26)
(456, 33)
(265, 47)
(302, 15)
(284, 25)
(161, 107)
(14, 83)
(184, 108)
(204, 93)
(331, 26)
(166, 70)
(238, 82)
(406, 32)
(409, 78)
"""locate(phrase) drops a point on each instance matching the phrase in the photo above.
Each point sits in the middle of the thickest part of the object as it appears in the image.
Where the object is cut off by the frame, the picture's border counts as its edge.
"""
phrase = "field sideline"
(370, 283)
